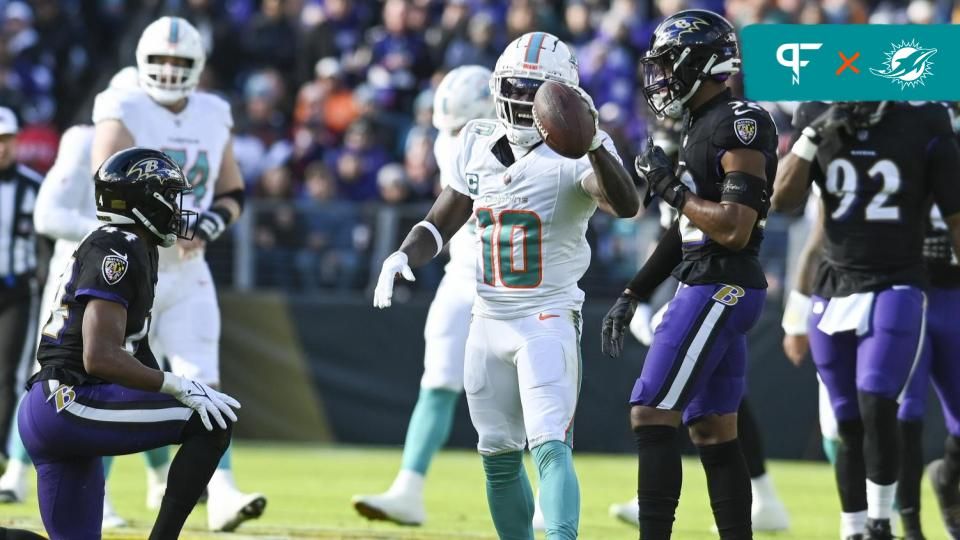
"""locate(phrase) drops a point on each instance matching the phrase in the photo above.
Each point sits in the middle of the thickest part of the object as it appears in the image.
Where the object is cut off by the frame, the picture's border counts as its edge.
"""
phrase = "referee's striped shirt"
(18, 244)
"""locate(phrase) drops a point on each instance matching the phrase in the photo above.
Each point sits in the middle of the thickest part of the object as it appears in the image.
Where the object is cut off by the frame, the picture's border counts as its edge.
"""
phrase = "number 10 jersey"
(876, 186)
(532, 214)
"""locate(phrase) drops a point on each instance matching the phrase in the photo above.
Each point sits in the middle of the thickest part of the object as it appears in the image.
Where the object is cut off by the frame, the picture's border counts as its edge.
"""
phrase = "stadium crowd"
(332, 98)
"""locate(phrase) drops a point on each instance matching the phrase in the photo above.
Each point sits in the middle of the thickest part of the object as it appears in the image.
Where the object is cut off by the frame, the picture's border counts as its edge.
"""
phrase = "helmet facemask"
(168, 78)
(514, 102)
(166, 219)
(670, 80)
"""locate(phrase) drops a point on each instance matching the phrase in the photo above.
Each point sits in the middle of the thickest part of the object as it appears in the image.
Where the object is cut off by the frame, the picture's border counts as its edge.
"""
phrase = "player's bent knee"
(714, 429)
(641, 415)
(219, 438)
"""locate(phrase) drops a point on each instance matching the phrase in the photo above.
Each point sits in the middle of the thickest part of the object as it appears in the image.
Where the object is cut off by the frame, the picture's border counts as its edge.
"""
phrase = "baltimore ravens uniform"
(186, 326)
(70, 417)
(938, 362)
(868, 300)
(697, 361)
(522, 367)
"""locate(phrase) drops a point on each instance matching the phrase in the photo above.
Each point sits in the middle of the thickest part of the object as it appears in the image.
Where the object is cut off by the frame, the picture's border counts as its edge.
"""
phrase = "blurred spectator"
(478, 48)
(37, 146)
(279, 230)
(608, 67)
(355, 164)
(419, 163)
(67, 44)
(393, 185)
(336, 242)
(452, 25)
(338, 33)
(577, 18)
(271, 39)
(264, 116)
(31, 66)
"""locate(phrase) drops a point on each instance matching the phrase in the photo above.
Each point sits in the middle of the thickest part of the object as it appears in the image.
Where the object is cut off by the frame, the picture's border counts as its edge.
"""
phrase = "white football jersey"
(195, 137)
(463, 260)
(532, 215)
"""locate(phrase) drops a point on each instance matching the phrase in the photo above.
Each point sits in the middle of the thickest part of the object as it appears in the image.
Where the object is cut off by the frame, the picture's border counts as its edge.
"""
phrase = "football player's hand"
(615, 324)
(188, 249)
(796, 348)
(640, 325)
(201, 398)
(829, 123)
(395, 264)
(212, 223)
(654, 166)
(588, 101)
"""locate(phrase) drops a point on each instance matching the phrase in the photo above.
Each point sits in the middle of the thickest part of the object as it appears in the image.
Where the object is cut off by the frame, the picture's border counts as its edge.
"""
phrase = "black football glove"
(654, 166)
(831, 122)
(615, 325)
(212, 223)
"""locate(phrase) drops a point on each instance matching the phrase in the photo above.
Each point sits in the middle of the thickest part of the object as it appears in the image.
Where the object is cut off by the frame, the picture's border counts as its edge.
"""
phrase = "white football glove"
(395, 264)
(201, 398)
(640, 324)
(597, 140)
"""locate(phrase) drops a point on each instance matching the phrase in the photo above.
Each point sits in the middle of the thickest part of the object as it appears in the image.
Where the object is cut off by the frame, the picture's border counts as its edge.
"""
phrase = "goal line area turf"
(309, 490)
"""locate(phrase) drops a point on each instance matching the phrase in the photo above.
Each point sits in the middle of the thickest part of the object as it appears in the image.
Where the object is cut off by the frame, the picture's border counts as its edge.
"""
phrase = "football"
(563, 120)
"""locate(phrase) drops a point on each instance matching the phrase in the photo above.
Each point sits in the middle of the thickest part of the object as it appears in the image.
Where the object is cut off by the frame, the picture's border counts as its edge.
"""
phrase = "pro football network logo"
(907, 64)
(794, 62)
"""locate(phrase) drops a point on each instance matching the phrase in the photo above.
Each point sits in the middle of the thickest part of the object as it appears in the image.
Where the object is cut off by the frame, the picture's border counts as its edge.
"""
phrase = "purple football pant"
(698, 359)
(877, 362)
(940, 362)
(67, 430)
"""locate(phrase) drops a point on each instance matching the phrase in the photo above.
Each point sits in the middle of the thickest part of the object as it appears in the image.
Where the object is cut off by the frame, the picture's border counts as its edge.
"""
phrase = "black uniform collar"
(722, 97)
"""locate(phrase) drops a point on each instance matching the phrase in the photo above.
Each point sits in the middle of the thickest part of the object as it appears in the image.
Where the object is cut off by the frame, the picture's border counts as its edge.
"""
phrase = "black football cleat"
(948, 499)
(878, 529)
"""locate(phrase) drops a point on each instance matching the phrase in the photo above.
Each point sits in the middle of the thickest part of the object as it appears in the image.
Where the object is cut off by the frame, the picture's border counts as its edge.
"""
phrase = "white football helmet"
(521, 69)
(463, 94)
(170, 36)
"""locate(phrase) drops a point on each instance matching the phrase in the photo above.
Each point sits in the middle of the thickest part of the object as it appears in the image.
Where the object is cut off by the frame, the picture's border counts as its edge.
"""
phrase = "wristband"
(171, 383)
(804, 148)
(436, 234)
(795, 314)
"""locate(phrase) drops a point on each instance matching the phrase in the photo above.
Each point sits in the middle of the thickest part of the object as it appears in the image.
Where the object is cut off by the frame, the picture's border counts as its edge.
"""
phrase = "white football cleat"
(111, 519)
(401, 509)
(155, 495)
(628, 512)
(538, 523)
(767, 512)
(228, 510)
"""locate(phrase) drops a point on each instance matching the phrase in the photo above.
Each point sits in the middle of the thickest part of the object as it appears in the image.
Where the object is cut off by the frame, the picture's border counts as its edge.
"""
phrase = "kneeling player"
(98, 391)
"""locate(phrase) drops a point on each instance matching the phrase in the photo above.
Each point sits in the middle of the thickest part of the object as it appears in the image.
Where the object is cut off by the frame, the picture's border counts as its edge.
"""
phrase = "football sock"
(849, 469)
(429, 427)
(852, 523)
(750, 441)
(15, 449)
(911, 474)
(509, 496)
(158, 457)
(880, 500)
(881, 438)
(830, 449)
(728, 483)
(950, 472)
(18, 534)
(190, 470)
(659, 477)
(559, 490)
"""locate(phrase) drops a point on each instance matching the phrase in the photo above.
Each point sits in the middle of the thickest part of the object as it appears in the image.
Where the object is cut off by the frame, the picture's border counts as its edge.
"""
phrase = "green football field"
(309, 491)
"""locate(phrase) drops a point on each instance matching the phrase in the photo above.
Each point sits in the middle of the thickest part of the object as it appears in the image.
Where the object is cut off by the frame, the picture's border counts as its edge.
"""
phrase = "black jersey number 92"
(876, 188)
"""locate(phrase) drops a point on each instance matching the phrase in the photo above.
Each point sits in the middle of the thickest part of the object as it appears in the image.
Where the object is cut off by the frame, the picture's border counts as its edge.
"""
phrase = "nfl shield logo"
(746, 129)
(113, 269)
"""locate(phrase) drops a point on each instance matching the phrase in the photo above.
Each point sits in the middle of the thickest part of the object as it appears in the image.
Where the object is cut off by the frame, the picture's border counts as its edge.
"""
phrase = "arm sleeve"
(944, 163)
(665, 258)
(65, 206)
(105, 271)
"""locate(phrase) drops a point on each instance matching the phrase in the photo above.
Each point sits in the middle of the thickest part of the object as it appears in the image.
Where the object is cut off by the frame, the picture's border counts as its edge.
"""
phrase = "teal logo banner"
(851, 62)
